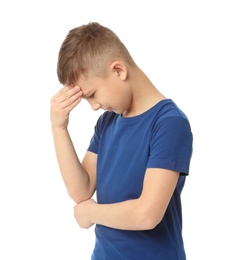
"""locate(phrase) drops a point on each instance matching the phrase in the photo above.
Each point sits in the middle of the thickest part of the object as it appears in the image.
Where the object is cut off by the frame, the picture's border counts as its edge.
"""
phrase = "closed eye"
(92, 95)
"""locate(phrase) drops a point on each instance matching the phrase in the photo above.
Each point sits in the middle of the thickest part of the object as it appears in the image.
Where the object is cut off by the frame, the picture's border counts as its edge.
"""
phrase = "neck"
(144, 94)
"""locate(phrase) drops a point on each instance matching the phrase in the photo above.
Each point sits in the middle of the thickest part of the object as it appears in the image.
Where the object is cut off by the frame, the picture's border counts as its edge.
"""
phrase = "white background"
(185, 47)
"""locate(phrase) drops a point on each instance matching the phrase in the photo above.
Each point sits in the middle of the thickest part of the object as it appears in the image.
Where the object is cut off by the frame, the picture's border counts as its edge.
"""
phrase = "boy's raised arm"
(79, 180)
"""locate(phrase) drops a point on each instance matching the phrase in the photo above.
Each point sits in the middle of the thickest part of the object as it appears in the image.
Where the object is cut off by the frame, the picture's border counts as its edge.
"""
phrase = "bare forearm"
(118, 215)
(142, 213)
(127, 215)
(75, 177)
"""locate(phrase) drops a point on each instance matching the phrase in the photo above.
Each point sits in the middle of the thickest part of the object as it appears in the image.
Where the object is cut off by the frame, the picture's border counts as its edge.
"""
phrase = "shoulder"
(167, 108)
(168, 113)
(172, 126)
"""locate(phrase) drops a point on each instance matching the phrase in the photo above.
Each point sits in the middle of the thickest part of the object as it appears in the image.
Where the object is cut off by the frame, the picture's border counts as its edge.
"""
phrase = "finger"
(66, 90)
(72, 101)
(67, 94)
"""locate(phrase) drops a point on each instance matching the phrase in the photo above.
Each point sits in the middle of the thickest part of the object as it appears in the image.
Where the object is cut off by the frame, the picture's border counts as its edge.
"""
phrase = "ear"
(119, 69)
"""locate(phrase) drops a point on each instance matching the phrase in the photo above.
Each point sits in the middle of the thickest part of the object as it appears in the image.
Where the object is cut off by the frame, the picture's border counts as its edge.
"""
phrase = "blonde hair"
(87, 50)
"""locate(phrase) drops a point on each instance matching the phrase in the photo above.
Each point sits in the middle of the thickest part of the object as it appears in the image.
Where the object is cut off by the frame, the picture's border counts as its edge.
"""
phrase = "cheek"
(123, 102)
(126, 97)
(117, 96)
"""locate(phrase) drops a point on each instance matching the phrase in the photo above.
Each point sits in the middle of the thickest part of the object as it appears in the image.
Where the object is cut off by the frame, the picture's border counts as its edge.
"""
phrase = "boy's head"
(87, 51)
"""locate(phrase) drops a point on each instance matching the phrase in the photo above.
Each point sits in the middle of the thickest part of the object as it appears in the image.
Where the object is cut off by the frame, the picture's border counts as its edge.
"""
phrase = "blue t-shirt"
(126, 146)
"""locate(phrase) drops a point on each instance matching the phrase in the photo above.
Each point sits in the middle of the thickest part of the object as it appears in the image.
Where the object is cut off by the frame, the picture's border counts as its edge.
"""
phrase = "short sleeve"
(100, 126)
(171, 145)
(94, 142)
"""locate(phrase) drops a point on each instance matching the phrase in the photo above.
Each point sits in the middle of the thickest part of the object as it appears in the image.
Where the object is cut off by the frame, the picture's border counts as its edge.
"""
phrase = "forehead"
(86, 86)
(90, 84)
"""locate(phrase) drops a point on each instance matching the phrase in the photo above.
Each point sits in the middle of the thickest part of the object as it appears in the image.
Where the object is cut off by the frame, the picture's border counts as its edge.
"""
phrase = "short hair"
(87, 50)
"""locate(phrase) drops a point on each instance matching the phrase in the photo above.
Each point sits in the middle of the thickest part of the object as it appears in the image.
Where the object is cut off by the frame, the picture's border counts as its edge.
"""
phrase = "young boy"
(139, 154)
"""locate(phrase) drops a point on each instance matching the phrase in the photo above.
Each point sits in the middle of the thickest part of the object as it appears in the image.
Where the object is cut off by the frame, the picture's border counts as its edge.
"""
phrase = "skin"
(126, 91)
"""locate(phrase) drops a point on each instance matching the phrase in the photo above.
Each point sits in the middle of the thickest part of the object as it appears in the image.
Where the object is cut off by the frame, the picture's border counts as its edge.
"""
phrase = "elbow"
(148, 220)
(149, 223)
(78, 197)
(74, 196)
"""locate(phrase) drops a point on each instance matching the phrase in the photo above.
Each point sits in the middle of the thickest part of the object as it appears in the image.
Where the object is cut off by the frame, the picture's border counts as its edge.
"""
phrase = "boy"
(138, 157)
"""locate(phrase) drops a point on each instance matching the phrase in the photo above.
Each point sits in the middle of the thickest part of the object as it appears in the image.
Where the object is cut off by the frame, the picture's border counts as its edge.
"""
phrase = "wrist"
(59, 129)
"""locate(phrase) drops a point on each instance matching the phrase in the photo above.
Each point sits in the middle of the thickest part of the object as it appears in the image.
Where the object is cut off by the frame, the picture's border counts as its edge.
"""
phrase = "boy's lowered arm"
(143, 213)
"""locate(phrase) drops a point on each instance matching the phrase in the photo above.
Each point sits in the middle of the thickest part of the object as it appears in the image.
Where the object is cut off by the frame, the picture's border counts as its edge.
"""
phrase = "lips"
(107, 109)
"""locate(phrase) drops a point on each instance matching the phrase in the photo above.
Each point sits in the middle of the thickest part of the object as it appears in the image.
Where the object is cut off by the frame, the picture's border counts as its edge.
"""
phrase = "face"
(111, 93)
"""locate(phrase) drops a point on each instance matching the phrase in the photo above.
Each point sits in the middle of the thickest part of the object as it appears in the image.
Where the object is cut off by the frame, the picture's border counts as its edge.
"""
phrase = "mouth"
(107, 109)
